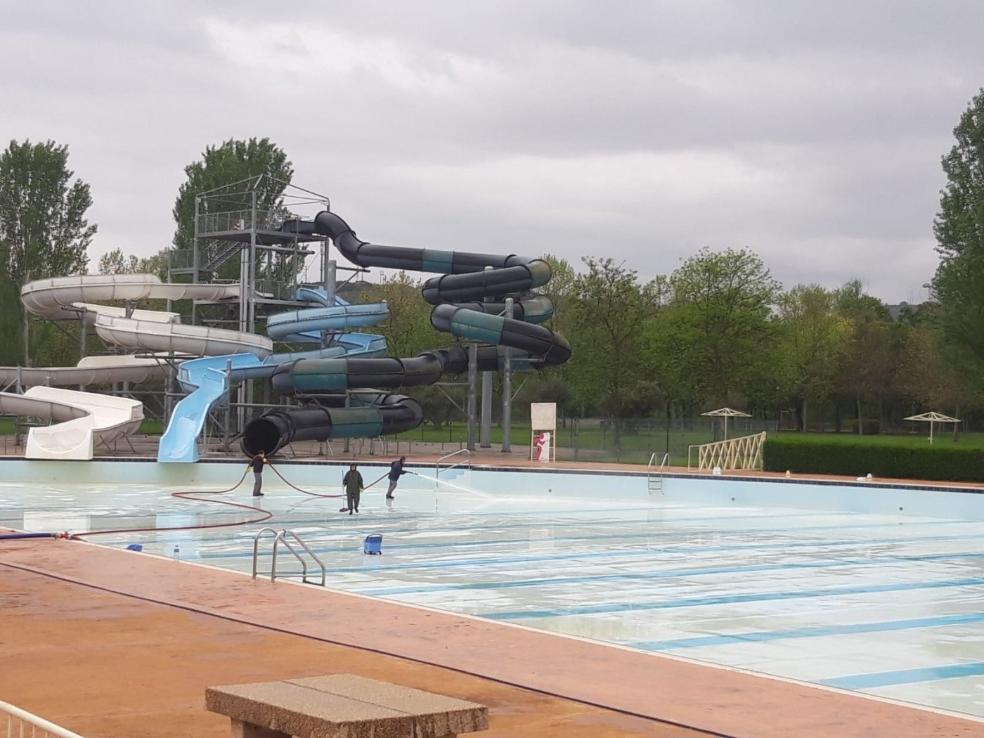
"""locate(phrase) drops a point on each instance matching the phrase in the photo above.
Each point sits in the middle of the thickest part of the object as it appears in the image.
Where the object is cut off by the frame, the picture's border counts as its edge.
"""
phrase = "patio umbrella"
(726, 412)
(933, 418)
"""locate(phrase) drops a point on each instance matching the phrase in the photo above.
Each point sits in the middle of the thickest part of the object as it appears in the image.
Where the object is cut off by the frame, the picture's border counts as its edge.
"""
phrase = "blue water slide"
(307, 325)
(208, 380)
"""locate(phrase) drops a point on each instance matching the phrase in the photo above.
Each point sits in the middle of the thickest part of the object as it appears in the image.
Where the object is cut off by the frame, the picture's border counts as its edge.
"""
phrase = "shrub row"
(815, 454)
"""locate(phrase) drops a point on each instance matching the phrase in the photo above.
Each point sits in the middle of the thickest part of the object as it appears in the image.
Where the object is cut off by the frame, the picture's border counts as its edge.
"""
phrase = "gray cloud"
(811, 134)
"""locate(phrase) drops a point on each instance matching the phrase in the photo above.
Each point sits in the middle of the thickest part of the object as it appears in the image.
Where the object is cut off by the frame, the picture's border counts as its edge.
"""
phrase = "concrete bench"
(342, 706)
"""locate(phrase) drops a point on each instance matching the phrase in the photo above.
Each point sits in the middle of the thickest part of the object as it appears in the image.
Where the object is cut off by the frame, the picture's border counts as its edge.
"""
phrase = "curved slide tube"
(84, 420)
(90, 370)
(64, 298)
(341, 374)
(465, 277)
(384, 414)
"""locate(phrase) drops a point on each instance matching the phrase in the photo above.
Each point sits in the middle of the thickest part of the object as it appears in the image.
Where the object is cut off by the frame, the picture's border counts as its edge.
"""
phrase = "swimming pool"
(874, 589)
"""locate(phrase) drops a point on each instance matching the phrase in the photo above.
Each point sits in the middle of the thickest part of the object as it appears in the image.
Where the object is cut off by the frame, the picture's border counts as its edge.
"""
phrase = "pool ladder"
(466, 462)
(280, 537)
(654, 473)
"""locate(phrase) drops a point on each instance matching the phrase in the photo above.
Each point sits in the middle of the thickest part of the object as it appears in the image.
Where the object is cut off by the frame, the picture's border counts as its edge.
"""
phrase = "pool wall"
(959, 502)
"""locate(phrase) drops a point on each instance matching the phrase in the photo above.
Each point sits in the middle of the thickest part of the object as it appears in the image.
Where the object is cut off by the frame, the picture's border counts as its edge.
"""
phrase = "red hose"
(265, 514)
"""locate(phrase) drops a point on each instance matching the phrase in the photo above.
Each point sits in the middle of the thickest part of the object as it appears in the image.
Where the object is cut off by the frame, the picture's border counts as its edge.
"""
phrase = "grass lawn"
(151, 427)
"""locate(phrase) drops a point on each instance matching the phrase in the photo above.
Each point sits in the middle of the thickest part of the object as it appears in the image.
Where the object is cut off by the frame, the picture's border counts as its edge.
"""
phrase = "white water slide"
(84, 420)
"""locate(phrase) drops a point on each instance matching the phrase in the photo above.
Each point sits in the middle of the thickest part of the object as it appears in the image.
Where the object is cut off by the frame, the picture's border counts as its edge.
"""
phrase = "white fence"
(22, 724)
(744, 452)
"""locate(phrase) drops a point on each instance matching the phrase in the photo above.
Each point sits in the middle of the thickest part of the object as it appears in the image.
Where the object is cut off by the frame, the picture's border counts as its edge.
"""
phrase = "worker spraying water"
(396, 471)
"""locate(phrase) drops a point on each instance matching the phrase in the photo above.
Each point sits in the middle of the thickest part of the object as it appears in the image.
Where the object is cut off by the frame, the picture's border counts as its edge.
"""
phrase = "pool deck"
(113, 643)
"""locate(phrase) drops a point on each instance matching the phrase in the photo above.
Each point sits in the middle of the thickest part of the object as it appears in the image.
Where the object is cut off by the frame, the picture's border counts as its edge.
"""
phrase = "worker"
(396, 471)
(353, 488)
(257, 463)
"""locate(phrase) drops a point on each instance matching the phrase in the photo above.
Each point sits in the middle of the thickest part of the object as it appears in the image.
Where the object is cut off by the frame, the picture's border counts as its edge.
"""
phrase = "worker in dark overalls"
(353, 488)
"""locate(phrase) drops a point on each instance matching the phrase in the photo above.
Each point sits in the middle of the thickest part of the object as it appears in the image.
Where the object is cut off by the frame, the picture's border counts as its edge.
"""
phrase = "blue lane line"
(724, 599)
(814, 632)
(657, 574)
(667, 540)
(563, 522)
(905, 676)
(607, 554)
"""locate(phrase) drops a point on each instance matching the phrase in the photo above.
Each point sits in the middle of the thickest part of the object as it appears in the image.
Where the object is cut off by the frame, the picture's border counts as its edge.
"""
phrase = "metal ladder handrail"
(437, 464)
(654, 479)
(281, 537)
(256, 545)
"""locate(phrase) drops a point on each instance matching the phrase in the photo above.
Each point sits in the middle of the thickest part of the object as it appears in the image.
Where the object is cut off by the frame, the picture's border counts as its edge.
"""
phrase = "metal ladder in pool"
(654, 473)
(280, 537)
(457, 465)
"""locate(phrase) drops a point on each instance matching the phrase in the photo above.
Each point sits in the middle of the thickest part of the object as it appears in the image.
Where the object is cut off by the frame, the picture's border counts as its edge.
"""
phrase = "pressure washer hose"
(194, 497)
(318, 494)
(264, 514)
(294, 486)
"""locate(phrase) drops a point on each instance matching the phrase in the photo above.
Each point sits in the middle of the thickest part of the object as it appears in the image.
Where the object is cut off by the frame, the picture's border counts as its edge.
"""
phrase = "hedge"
(808, 453)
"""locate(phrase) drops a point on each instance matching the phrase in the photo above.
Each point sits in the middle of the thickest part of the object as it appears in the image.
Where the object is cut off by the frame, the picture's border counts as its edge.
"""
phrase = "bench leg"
(248, 730)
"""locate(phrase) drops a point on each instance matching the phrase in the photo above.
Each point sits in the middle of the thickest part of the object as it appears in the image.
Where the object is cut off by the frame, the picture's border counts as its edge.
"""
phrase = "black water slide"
(469, 298)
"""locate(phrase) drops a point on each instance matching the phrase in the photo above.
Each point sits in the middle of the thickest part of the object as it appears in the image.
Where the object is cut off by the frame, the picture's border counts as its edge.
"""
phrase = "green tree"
(929, 378)
(610, 310)
(116, 261)
(959, 230)
(717, 334)
(408, 328)
(230, 164)
(812, 339)
(871, 356)
(43, 230)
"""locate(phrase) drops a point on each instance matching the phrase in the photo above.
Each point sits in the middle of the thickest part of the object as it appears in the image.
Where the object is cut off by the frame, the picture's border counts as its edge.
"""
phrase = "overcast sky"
(808, 132)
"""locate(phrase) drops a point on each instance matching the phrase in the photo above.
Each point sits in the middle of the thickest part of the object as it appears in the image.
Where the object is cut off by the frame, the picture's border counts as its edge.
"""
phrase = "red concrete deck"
(90, 646)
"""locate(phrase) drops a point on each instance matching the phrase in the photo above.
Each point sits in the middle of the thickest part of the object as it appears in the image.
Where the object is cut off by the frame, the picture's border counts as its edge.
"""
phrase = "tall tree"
(867, 368)
(43, 229)
(928, 378)
(812, 340)
(225, 165)
(959, 230)
(718, 329)
(610, 308)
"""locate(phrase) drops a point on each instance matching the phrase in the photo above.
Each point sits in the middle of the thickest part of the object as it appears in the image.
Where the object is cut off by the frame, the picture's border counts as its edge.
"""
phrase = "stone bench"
(342, 706)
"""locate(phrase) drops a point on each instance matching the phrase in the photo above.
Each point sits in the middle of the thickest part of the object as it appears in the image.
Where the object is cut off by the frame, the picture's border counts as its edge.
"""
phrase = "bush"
(903, 458)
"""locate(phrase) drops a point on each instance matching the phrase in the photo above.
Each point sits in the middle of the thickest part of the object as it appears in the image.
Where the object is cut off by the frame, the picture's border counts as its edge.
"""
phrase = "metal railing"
(654, 473)
(23, 724)
(744, 452)
(280, 537)
(437, 464)
(237, 220)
